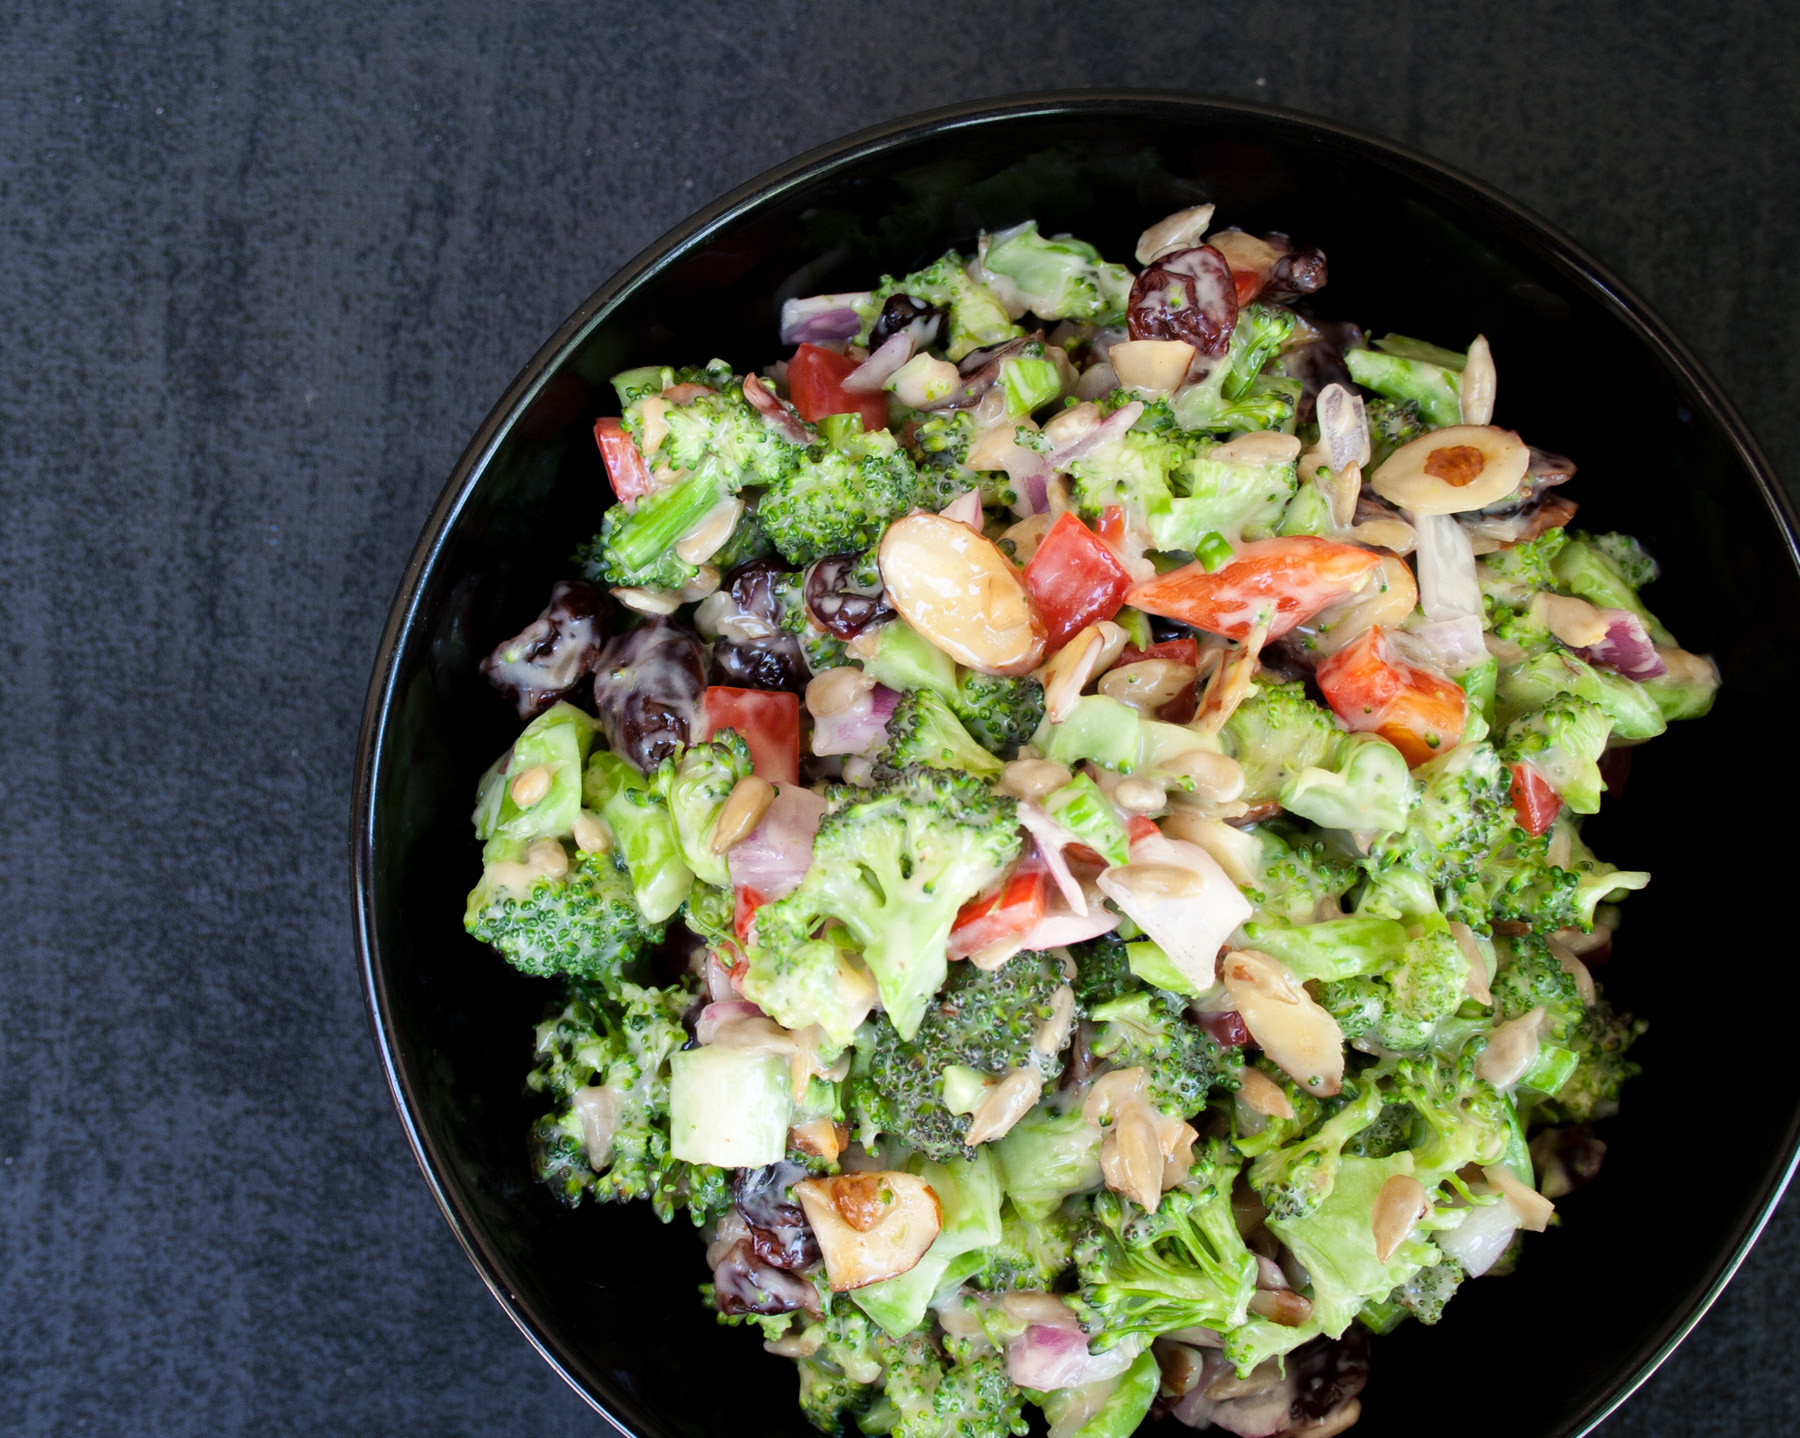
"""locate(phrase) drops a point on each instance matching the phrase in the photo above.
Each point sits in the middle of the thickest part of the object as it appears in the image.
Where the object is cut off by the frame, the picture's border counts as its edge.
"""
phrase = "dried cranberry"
(903, 312)
(1295, 274)
(838, 603)
(648, 691)
(779, 1232)
(743, 1283)
(751, 650)
(1327, 1373)
(553, 653)
(1320, 363)
(1228, 1028)
(1188, 295)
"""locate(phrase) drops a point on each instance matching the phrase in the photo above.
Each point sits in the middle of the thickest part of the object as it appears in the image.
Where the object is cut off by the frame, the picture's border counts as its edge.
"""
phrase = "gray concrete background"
(263, 268)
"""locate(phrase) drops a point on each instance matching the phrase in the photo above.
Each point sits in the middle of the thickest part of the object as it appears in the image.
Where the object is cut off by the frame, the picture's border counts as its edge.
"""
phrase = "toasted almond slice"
(1478, 384)
(1453, 470)
(1033, 778)
(962, 594)
(1261, 1094)
(1303, 1040)
(899, 1217)
(1148, 684)
(1179, 231)
(1511, 1048)
(1151, 364)
(1574, 621)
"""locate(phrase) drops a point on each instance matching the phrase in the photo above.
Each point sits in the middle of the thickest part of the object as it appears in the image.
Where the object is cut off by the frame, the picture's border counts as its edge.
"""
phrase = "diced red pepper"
(1075, 580)
(625, 467)
(748, 902)
(1276, 582)
(1111, 528)
(1012, 908)
(1420, 713)
(768, 719)
(1140, 826)
(1533, 800)
(815, 380)
(1249, 284)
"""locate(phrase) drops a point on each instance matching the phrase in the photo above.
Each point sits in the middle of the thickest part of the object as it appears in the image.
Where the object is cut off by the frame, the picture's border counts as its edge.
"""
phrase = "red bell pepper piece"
(1075, 580)
(768, 719)
(625, 467)
(748, 902)
(815, 379)
(1534, 802)
(1011, 908)
(1420, 713)
(1277, 582)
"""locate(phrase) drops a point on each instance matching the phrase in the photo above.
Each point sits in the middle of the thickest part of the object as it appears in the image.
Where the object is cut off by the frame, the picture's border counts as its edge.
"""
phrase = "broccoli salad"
(1053, 813)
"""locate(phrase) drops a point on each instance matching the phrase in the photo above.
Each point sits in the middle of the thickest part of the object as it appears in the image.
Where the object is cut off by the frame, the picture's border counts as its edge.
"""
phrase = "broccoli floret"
(1629, 557)
(1296, 870)
(1519, 884)
(582, 922)
(1233, 498)
(999, 713)
(1184, 1265)
(843, 1376)
(1293, 752)
(1529, 977)
(1461, 813)
(1563, 742)
(924, 730)
(1433, 388)
(1295, 1179)
(636, 542)
(1599, 1043)
(1586, 566)
(1401, 1007)
(940, 447)
(1237, 394)
(1182, 1062)
(893, 865)
(1130, 472)
(983, 1020)
(1031, 1256)
(977, 318)
(607, 1067)
(965, 1396)
(1422, 1296)
(1258, 336)
(1062, 278)
(839, 501)
(1522, 687)
(695, 786)
(723, 434)
(1512, 575)
(1458, 1118)
(1392, 423)
(1102, 973)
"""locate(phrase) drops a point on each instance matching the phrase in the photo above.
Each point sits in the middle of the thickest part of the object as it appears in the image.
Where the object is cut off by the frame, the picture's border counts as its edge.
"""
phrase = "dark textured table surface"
(262, 271)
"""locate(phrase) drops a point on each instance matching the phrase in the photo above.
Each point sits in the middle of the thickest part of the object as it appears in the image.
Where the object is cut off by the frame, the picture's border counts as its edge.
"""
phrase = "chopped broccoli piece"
(1183, 1265)
(1102, 972)
(1401, 1007)
(600, 1063)
(977, 318)
(1512, 575)
(721, 433)
(1529, 684)
(1047, 1155)
(1422, 1296)
(636, 543)
(1293, 1180)
(1586, 566)
(1296, 872)
(695, 786)
(1461, 813)
(1459, 1119)
(1599, 1043)
(966, 1396)
(1563, 742)
(1229, 497)
(1434, 388)
(999, 713)
(982, 1020)
(820, 649)
(1276, 733)
(924, 730)
(582, 922)
(1031, 1255)
(1292, 751)
(1061, 278)
(1130, 471)
(640, 820)
(838, 501)
(1392, 423)
(1530, 978)
(1182, 1062)
(893, 865)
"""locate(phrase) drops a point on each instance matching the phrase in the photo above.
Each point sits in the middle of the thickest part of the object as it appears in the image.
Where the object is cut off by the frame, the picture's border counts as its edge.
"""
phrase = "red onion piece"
(775, 857)
(1448, 588)
(1343, 426)
(706, 1029)
(1059, 926)
(1626, 648)
(1109, 429)
(821, 318)
(779, 416)
(878, 368)
(1051, 839)
(861, 728)
(965, 509)
(1449, 646)
(1046, 1358)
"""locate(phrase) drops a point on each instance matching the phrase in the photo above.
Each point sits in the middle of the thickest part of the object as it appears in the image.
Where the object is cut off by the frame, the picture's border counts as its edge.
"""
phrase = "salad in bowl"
(1053, 813)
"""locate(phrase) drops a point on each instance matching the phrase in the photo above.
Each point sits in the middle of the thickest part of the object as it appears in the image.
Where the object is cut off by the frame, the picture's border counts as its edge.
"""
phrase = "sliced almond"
(962, 594)
(1139, 796)
(1034, 778)
(1217, 778)
(1302, 1039)
(1179, 231)
(1004, 1105)
(1388, 597)
(1453, 470)
(1394, 535)
(1151, 364)
(1154, 882)
(1259, 447)
(1067, 426)
(1148, 684)
(742, 811)
(654, 602)
(1261, 1094)
(1400, 1204)
(1512, 1047)
(705, 539)
(651, 425)
(1244, 252)
(1533, 1209)
(833, 691)
(896, 1219)
(1476, 985)
(1283, 1306)
(1476, 390)
(820, 1137)
(1574, 621)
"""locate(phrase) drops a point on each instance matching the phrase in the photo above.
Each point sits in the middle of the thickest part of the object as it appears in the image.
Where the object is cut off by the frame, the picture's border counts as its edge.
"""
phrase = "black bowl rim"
(1576, 264)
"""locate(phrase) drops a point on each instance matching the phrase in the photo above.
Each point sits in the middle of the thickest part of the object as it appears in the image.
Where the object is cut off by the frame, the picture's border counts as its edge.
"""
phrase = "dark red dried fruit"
(1228, 1028)
(752, 651)
(779, 1232)
(840, 605)
(1295, 275)
(1188, 295)
(648, 691)
(904, 312)
(553, 653)
(743, 1283)
(1327, 1373)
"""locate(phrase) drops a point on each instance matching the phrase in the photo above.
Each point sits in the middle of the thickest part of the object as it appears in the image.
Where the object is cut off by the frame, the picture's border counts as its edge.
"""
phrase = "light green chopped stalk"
(1436, 390)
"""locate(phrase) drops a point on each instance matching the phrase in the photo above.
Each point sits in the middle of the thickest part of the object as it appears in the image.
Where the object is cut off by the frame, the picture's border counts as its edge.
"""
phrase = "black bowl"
(1708, 1134)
